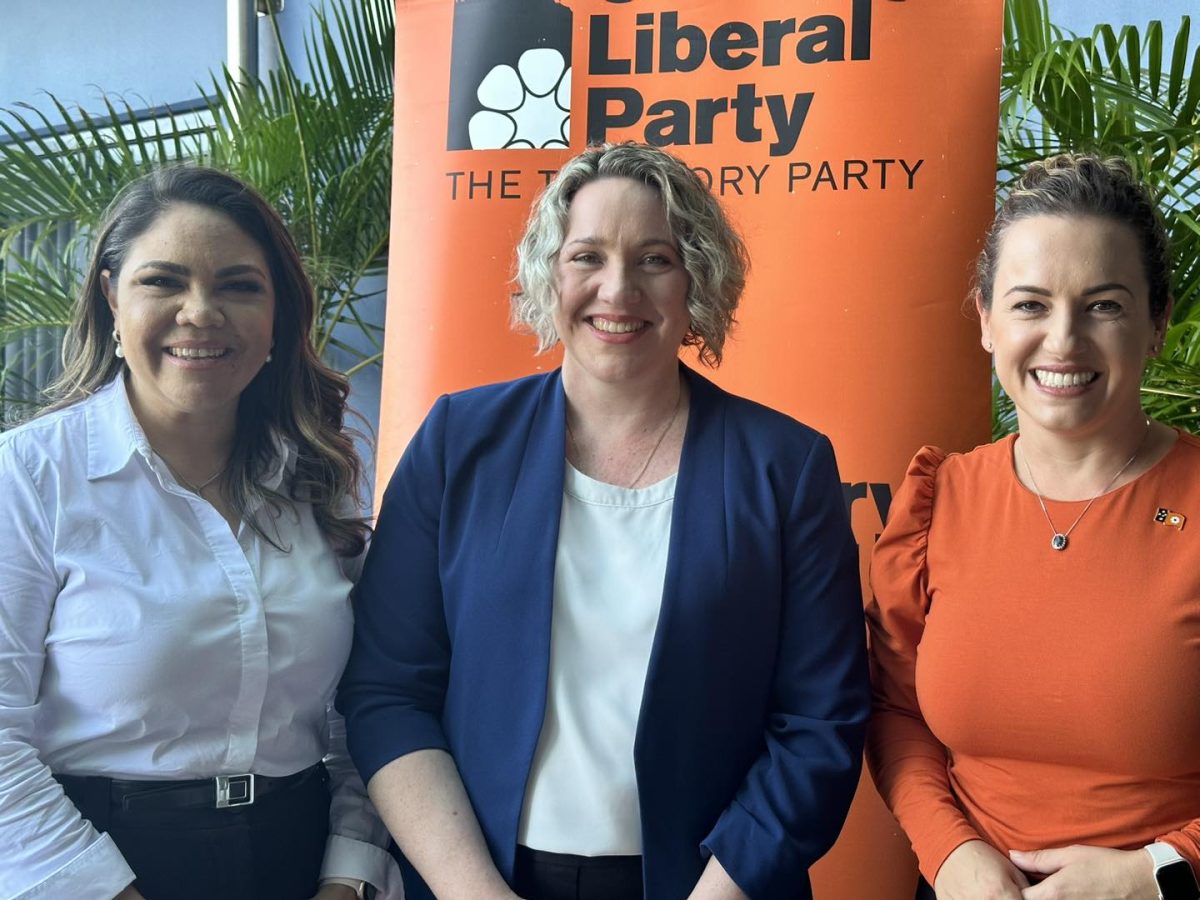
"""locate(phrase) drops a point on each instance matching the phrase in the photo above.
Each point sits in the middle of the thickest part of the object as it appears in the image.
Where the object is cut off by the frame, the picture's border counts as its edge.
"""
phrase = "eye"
(1107, 307)
(247, 287)
(586, 258)
(657, 259)
(1028, 306)
(158, 281)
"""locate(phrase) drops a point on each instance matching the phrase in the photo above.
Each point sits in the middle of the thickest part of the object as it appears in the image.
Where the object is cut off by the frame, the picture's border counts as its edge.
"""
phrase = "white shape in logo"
(528, 106)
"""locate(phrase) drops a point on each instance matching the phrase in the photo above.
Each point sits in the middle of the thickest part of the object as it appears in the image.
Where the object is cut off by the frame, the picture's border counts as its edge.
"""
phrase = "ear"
(1160, 326)
(985, 320)
(108, 289)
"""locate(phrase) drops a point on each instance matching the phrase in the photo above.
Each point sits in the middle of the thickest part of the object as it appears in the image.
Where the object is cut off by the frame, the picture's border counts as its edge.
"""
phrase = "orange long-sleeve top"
(1031, 697)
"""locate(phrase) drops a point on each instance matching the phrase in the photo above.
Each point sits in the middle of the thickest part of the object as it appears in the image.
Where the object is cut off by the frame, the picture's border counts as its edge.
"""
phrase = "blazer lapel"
(697, 564)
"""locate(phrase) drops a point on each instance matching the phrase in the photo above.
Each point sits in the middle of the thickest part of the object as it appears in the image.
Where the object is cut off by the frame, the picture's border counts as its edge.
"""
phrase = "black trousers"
(270, 850)
(562, 876)
(924, 891)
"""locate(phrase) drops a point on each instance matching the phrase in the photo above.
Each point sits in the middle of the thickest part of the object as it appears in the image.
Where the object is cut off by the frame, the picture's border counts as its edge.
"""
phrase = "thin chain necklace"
(196, 488)
(1059, 540)
(653, 450)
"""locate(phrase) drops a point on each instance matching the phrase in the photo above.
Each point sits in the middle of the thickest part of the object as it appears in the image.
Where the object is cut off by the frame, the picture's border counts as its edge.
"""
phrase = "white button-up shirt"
(141, 638)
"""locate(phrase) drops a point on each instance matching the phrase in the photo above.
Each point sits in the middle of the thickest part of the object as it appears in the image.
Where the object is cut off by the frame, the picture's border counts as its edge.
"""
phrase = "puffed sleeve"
(50, 850)
(907, 762)
(394, 685)
(793, 801)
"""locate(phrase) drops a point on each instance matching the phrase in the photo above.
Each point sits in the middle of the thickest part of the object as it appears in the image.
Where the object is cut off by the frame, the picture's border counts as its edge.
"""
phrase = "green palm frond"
(1116, 93)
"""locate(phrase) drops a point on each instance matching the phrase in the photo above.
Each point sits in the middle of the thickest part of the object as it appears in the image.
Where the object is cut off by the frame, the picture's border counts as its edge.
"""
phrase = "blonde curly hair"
(713, 253)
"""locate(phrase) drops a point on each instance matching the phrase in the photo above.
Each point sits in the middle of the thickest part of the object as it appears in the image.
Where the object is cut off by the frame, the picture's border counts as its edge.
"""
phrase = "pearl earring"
(120, 351)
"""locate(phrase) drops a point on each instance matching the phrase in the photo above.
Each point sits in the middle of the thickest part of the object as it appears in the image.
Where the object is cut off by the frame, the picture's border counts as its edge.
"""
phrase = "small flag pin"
(1169, 517)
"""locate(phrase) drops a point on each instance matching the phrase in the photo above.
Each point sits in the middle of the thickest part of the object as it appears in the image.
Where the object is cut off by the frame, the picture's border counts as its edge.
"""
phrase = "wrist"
(1172, 875)
(345, 889)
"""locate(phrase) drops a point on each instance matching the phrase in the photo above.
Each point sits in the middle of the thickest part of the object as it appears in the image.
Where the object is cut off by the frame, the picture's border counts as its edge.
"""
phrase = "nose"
(1063, 332)
(200, 308)
(618, 283)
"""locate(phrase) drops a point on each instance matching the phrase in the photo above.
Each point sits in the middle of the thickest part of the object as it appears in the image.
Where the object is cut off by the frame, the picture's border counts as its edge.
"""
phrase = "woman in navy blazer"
(745, 742)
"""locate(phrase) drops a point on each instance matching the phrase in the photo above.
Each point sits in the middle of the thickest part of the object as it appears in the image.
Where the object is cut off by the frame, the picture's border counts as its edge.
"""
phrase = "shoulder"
(488, 422)
(761, 427)
(502, 401)
(1188, 449)
(1180, 468)
(931, 476)
(59, 437)
(936, 469)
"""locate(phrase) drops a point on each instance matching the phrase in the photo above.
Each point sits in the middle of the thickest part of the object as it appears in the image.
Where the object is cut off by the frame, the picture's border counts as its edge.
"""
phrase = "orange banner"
(853, 142)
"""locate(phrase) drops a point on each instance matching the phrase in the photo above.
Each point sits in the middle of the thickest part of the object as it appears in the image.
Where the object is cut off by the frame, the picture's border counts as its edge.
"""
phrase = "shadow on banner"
(854, 143)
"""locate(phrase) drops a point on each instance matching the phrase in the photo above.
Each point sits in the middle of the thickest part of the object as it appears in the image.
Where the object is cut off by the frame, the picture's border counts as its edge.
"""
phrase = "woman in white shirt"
(174, 609)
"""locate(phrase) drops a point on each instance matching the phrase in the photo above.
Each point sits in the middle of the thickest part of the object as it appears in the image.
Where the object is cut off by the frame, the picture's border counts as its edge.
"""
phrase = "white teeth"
(607, 325)
(196, 352)
(1064, 379)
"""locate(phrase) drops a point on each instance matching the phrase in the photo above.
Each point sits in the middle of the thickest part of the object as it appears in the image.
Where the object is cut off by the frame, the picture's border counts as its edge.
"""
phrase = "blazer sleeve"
(793, 801)
(50, 850)
(394, 686)
(908, 763)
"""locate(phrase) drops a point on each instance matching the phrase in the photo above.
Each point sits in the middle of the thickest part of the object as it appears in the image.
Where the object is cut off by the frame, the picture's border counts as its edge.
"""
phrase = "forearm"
(715, 884)
(421, 799)
(909, 768)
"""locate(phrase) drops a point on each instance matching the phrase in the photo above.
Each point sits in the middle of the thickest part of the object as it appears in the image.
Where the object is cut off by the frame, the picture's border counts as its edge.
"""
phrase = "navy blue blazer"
(750, 733)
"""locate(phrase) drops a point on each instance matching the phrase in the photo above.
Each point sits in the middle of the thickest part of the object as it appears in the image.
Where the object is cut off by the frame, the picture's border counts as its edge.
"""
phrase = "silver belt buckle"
(234, 790)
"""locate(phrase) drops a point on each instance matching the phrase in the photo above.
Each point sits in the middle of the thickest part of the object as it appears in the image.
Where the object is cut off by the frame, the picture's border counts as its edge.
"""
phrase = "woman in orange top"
(1036, 623)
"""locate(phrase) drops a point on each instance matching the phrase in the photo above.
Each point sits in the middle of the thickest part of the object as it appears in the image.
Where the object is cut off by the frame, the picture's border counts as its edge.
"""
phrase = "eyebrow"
(1043, 292)
(240, 269)
(597, 242)
(176, 269)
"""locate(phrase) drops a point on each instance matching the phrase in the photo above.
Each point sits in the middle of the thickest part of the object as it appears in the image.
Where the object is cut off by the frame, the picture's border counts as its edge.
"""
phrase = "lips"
(616, 326)
(197, 352)
(1053, 379)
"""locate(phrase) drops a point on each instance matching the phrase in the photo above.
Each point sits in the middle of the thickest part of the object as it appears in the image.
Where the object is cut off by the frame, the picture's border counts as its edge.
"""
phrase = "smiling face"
(194, 306)
(622, 288)
(1070, 324)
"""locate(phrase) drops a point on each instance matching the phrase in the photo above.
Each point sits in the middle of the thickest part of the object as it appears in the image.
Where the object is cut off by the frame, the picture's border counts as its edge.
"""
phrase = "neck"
(195, 447)
(627, 405)
(627, 434)
(1077, 467)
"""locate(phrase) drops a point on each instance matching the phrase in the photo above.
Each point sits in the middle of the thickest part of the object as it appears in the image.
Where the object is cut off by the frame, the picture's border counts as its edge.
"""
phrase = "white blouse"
(140, 638)
(609, 570)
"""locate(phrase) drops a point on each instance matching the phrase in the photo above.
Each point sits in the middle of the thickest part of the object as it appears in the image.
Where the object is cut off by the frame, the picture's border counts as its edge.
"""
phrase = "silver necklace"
(1060, 540)
(196, 488)
(653, 450)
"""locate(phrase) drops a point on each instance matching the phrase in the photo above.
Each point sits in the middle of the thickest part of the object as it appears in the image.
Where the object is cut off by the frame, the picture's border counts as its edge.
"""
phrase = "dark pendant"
(1059, 542)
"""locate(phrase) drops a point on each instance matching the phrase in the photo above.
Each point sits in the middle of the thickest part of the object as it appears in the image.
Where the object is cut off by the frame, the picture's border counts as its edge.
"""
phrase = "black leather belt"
(221, 792)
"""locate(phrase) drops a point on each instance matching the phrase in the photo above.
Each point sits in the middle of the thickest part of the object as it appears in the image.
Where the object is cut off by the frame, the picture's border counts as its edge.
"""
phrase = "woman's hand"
(130, 893)
(1088, 873)
(978, 871)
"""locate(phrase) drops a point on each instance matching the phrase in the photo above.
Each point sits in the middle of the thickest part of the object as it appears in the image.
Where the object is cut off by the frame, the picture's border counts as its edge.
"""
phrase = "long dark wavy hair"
(296, 395)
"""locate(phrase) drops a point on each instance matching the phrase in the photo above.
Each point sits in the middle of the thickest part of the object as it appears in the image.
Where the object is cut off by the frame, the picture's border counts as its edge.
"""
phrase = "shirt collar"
(114, 436)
